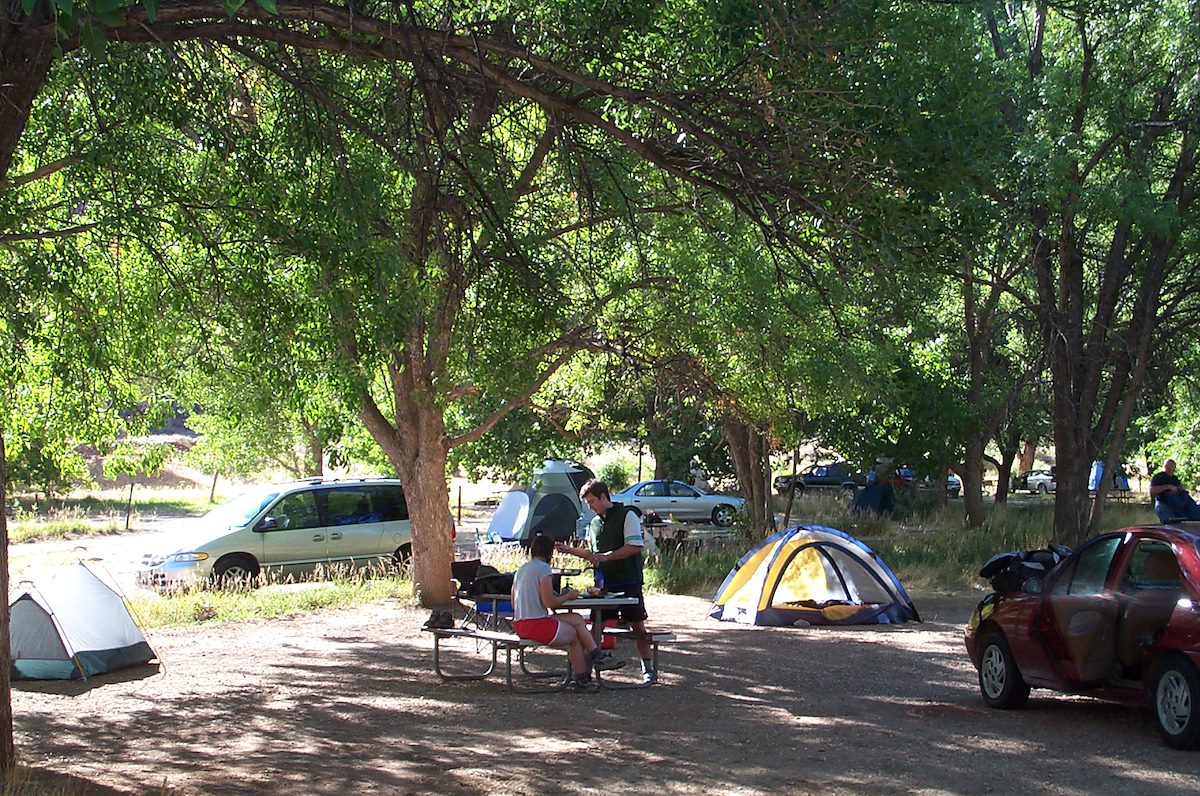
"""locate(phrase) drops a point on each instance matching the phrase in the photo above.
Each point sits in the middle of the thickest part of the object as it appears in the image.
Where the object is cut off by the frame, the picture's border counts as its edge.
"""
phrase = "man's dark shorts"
(627, 613)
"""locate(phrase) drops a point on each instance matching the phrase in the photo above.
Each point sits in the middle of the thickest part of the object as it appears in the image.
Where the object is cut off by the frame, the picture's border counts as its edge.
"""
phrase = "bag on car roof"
(1022, 570)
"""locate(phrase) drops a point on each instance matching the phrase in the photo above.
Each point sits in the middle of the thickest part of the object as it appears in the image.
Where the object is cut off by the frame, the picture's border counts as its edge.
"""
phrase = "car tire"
(722, 515)
(402, 557)
(952, 493)
(235, 570)
(1000, 681)
(1042, 489)
(1175, 695)
(848, 492)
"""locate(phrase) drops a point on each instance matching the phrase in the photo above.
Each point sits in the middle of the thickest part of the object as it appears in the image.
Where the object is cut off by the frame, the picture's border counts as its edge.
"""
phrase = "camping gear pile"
(71, 626)
(1022, 570)
(812, 575)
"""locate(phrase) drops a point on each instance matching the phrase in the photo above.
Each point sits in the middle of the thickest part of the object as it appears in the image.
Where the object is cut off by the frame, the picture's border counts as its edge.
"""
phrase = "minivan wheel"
(235, 570)
(1175, 692)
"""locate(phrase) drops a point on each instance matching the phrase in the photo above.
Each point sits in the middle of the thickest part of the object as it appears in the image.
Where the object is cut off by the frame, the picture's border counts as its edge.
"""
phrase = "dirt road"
(346, 702)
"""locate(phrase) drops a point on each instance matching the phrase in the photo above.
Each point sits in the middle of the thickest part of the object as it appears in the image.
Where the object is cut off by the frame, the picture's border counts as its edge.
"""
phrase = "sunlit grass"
(938, 553)
(61, 524)
(270, 597)
(697, 571)
(83, 515)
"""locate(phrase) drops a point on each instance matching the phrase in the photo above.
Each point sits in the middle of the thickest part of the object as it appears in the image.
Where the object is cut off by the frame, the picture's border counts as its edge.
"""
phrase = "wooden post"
(129, 505)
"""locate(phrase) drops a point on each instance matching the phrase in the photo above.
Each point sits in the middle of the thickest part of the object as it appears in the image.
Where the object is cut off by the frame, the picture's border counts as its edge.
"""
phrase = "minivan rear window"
(389, 502)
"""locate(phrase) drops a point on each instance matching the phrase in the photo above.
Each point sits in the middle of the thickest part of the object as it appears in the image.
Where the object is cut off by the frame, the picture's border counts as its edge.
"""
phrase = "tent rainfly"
(550, 506)
(812, 575)
(73, 627)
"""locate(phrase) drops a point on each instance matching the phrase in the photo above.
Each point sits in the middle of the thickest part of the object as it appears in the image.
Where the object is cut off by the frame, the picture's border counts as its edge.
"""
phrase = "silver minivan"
(290, 530)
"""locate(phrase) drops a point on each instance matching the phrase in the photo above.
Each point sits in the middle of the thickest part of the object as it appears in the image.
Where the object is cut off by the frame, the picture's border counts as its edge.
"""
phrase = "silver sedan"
(677, 499)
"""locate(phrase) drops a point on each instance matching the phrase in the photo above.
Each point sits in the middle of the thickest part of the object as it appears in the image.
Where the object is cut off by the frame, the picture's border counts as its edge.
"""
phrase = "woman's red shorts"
(542, 630)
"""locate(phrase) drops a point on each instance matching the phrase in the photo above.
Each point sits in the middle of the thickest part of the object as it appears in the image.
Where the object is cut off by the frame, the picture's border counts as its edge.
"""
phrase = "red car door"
(1078, 617)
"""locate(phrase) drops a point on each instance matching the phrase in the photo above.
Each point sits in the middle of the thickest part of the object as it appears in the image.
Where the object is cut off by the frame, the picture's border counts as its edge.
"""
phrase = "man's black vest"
(612, 537)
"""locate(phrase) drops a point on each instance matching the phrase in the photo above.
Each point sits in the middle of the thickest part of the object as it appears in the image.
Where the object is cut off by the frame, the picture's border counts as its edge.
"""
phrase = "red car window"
(1089, 570)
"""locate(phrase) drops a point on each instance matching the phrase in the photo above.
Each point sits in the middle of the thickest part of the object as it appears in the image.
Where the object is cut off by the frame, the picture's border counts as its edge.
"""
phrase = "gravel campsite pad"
(346, 702)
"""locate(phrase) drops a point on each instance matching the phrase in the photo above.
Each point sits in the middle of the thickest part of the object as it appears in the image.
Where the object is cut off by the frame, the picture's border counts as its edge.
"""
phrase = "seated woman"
(533, 597)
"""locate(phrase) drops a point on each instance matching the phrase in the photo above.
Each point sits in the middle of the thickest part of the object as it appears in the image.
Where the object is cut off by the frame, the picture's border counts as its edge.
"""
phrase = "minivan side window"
(350, 506)
(389, 502)
(296, 512)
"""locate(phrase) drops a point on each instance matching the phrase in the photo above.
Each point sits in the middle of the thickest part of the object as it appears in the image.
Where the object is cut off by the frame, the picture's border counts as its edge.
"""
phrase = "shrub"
(617, 474)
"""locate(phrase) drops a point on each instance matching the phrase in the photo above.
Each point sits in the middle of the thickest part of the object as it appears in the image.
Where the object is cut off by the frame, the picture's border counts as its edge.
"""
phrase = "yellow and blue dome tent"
(812, 575)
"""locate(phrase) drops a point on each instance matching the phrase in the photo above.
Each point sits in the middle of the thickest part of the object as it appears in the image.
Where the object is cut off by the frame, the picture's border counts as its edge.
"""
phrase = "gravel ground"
(346, 702)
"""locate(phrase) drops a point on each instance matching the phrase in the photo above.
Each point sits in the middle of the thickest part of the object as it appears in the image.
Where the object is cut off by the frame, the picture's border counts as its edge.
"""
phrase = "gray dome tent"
(74, 626)
(551, 505)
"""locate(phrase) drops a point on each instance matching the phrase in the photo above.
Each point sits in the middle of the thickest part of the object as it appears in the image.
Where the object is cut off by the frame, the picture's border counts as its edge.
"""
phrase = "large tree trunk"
(7, 751)
(972, 478)
(746, 448)
(418, 447)
(25, 61)
(1008, 455)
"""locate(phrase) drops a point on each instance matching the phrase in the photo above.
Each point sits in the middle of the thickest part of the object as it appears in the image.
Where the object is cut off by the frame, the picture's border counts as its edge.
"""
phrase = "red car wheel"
(1176, 691)
(1000, 681)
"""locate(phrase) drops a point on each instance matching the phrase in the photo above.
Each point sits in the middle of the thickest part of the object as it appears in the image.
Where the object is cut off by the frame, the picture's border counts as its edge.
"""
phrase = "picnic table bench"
(495, 641)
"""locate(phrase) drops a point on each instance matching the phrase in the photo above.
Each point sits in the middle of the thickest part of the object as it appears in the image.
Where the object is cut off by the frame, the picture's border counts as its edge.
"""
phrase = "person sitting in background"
(1172, 502)
(533, 598)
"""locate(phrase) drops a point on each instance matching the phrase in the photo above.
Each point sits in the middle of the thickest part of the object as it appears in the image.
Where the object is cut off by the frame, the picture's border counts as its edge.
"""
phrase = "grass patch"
(86, 515)
(31, 781)
(68, 524)
(190, 503)
(270, 598)
(694, 571)
(937, 553)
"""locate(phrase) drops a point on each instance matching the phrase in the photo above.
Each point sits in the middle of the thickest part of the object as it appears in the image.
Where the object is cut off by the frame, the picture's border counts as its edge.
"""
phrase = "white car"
(1040, 482)
(677, 499)
(291, 529)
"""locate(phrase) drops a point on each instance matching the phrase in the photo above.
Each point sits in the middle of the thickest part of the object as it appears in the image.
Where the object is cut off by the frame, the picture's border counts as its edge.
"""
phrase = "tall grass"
(270, 596)
(97, 515)
(938, 553)
(696, 571)
(931, 552)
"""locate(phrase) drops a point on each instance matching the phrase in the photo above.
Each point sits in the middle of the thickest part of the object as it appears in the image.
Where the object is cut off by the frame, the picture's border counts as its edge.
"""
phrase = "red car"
(1119, 619)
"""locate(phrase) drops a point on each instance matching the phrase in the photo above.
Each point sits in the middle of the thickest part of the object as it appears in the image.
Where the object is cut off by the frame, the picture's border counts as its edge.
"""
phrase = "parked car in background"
(1037, 481)
(848, 479)
(953, 485)
(677, 499)
(835, 475)
(292, 529)
(1119, 619)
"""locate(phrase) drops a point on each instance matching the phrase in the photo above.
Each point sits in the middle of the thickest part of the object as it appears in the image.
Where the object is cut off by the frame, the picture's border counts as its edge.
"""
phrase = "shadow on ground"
(346, 702)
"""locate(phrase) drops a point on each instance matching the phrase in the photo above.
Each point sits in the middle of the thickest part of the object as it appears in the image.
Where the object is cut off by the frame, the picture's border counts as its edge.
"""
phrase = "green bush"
(617, 473)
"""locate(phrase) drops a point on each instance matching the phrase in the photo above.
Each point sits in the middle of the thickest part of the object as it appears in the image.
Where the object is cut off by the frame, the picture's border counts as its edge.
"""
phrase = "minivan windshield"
(242, 509)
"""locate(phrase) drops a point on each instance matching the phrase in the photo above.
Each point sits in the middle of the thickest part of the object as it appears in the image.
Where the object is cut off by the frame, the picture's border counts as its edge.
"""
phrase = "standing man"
(615, 535)
(1171, 501)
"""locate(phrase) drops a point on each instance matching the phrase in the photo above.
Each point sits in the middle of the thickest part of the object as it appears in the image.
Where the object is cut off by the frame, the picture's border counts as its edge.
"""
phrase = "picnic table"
(510, 641)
